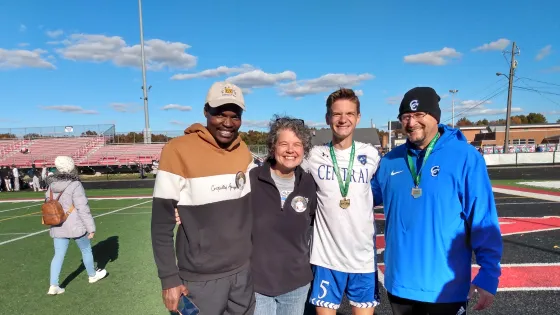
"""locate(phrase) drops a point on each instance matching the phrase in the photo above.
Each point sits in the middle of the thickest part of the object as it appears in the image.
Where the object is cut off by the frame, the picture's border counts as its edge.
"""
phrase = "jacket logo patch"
(299, 204)
(435, 171)
(240, 180)
(363, 159)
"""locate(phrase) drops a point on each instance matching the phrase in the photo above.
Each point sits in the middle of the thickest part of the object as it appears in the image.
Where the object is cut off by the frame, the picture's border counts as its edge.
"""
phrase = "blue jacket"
(429, 240)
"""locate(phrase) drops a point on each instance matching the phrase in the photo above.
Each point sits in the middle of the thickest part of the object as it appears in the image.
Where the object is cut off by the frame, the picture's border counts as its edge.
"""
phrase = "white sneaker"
(54, 290)
(99, 274)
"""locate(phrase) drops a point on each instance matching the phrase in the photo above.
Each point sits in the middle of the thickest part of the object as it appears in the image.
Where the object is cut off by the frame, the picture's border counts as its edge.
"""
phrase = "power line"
(496, 92)
(478, 93)
(544, 82)
(535, 90)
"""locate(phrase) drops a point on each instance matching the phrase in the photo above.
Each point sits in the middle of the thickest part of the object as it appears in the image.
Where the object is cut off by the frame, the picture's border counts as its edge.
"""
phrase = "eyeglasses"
(417, 116)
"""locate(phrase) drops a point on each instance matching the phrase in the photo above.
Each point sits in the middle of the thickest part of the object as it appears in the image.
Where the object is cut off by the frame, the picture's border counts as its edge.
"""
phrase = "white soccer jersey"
(343, 239)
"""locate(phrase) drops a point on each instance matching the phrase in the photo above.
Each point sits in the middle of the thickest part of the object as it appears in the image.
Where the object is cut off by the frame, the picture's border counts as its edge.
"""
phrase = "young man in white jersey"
(343, 250)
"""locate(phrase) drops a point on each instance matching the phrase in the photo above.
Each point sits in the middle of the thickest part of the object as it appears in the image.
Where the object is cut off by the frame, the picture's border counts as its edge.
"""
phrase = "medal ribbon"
(412, 165)
(343, 186)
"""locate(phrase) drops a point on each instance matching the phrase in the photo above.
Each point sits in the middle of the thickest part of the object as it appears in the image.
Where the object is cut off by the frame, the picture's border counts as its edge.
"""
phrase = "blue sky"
(77, 62)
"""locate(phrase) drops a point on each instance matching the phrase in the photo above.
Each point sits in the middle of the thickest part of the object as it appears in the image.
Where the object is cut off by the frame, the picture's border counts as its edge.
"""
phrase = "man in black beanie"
(422, 104)
(439, 208)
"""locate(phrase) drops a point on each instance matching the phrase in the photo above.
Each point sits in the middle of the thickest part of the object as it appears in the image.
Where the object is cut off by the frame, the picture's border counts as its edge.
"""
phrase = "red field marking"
(517, 225)
(515, 277)
(520, 225)
(527, 277)
(522, 277)
(531, 190)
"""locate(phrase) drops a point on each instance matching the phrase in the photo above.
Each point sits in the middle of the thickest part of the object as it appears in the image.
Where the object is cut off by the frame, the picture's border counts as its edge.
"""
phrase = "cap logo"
(229, 91)
(414, 105)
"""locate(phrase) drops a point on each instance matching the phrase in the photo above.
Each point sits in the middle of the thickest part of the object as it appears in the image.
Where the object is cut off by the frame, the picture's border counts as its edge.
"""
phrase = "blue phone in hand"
(187, 307)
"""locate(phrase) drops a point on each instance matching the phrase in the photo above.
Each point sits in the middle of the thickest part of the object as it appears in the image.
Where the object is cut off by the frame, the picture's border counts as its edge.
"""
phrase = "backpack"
(52, 211)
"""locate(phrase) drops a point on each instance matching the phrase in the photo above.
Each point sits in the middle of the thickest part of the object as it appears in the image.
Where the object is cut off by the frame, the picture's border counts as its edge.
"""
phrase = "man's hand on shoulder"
(171, 297)
(177, 217)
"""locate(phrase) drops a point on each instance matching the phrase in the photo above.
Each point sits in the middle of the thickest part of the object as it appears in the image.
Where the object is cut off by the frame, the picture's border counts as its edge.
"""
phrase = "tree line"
(530, 119)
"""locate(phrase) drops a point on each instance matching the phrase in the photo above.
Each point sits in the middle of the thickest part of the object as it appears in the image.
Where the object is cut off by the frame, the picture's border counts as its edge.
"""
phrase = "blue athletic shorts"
(328, 286)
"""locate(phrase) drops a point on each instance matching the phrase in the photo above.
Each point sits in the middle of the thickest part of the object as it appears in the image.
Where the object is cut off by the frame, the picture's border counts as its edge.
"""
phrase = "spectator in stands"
(79, 225)
(6, 178)
(439, 208)
(36, 184)
(44, 176)
(202, 173)
(15, 173)
(3, 183)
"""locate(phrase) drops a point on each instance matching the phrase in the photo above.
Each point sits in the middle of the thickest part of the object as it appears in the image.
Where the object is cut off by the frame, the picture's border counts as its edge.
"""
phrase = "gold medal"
(344, 203)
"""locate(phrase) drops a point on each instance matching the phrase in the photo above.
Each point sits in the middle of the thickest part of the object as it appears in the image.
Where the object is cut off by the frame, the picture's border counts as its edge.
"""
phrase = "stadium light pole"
(147, 133)
(453, 106)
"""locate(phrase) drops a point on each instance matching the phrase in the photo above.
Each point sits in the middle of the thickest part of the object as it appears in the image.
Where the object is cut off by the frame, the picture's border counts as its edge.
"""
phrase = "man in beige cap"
(204, 175)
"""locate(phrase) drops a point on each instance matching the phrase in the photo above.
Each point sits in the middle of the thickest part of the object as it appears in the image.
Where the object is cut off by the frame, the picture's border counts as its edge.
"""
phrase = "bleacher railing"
(58, 131)
(522, 158)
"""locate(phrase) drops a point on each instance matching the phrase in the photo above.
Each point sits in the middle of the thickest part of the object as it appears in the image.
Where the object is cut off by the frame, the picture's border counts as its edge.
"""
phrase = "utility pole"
(147, 133)
(512, 67)
(389, 136)
(453, 106)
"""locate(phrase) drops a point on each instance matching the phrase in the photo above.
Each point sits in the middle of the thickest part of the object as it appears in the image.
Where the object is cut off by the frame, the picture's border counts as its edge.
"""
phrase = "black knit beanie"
(421, 99)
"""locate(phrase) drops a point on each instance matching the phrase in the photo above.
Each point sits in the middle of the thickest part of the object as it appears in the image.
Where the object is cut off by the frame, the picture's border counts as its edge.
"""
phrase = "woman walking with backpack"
(79, 224)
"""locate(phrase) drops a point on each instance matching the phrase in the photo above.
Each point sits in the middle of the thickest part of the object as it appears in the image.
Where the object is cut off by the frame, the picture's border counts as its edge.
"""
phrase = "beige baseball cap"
(221, 93)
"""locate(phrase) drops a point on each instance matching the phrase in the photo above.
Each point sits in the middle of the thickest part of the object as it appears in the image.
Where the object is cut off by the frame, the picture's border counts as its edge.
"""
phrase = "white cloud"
(255, 123)
(359, 92)
(19, 58)
(500, 44)
(545, 51)
(394, 100)
(553, 69)
(178, 123)
(54, 34)
(22, 28)
(177, 107)
(434, 58)
(212, 73)
(259, 78)
(326, 83)
(100, 48)
(469, 104)
(23, 44)
(312, 124)
(469, 108)
(70, 109)
(478, 111)
(124, 107)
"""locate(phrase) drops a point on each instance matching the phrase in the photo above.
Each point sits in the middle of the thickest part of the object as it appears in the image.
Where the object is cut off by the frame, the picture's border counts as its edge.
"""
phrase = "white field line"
(526, 194)
(89, 198)
(20, 208)
(42, 231)
(527, 203)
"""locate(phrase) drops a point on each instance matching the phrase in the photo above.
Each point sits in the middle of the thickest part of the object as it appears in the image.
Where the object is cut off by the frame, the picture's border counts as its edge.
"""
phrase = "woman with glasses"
(284, 202)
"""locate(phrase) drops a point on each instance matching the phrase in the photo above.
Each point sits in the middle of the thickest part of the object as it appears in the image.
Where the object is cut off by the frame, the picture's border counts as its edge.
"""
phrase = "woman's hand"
(91, 235)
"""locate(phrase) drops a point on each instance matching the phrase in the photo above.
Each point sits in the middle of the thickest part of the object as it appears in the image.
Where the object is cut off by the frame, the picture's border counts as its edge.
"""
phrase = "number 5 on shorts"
(323, 288)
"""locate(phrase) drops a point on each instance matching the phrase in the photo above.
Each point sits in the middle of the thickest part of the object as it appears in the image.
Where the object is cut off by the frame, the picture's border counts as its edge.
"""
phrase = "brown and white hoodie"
(211, 190)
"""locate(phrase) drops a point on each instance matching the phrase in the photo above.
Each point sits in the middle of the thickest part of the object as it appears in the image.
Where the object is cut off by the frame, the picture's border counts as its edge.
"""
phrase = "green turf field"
(122, 245)
(92, 193)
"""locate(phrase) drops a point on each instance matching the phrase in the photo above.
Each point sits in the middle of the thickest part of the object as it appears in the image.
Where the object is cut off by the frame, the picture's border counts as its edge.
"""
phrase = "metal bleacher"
(87, 145)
